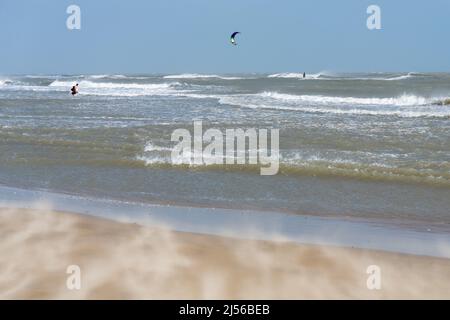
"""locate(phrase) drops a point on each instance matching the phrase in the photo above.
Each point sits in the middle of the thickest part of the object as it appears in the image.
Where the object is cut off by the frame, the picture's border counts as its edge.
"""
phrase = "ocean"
(363, 146)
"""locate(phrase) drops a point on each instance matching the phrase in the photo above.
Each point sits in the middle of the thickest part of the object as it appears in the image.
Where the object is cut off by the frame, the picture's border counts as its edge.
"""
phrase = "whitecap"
(199, 76)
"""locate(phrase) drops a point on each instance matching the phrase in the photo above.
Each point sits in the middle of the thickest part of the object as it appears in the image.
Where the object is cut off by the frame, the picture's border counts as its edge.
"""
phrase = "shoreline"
(412, 224)
(130, 261)
(247, 224)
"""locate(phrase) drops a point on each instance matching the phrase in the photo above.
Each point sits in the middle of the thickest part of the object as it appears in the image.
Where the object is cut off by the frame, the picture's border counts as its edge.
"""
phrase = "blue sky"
(175, 36)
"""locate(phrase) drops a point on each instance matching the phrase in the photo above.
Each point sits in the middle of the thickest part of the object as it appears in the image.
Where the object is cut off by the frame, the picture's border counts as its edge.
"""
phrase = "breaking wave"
(107, 76)
(112, 85)
(150, 146)
(442, 102)
(120, 89)
(402, 106)
(294, 166)
(402, 77)
(199, 76)
(293, 75)
(4, 82)
(328, 76)
(404, 100)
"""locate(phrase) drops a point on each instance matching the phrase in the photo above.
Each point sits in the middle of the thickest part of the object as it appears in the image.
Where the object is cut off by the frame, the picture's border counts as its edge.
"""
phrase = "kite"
(232, 40)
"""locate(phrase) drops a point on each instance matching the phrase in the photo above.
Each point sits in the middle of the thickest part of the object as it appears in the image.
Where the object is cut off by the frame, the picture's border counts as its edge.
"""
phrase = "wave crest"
(409, 106)
(119, 89)
(327, 76)
(199, 76)
(404, 100)
(4, 82)
(293, 75)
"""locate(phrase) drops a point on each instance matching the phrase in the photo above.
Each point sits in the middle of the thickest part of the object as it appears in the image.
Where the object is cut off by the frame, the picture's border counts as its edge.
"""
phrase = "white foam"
(4, 82)
(98, 76)
(199, 76)
(149, 147)
(396, 78)
(403, 77)
(293, 75)
(42, 76)
(149, 160)
(119, 89)
(187, 158)
(108, 76)
(403, 100)
(326, 76)
(112, 85)
(402, 106)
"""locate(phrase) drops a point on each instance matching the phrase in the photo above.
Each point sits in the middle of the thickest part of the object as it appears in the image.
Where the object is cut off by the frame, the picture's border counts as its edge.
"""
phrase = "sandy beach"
(128, 261)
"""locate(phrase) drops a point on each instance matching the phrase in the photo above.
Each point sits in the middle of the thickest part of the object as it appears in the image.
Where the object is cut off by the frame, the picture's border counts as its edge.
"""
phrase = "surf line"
(241, 146)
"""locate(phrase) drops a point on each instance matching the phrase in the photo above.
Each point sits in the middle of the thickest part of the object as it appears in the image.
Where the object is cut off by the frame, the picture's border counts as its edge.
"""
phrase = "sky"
(192, 36)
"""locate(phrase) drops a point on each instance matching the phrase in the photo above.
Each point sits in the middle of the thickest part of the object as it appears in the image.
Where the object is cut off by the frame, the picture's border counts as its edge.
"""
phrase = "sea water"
(351, 145)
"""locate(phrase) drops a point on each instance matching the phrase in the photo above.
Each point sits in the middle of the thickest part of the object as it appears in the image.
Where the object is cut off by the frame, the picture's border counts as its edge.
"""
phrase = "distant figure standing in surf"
(74, 89)
(304, 75)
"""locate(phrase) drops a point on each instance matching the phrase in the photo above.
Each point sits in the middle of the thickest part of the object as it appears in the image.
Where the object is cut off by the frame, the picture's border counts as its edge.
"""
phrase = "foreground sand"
(127, 261)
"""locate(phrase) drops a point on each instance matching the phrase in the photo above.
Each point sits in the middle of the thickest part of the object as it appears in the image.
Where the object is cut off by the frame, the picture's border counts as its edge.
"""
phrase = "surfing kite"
(232, 40)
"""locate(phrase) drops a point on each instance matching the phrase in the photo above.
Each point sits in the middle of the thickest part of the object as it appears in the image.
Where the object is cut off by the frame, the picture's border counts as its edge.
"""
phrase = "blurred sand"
(127, 261)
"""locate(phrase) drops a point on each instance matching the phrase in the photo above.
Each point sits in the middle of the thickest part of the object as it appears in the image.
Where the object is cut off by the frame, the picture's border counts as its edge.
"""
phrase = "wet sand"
(128, 261)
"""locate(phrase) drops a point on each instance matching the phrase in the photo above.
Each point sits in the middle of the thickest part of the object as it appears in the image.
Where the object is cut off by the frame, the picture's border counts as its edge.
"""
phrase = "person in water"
(74, 89)
(304, 75)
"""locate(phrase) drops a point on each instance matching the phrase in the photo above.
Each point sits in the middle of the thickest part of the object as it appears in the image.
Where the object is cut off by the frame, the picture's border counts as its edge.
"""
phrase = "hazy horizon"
(329, 73)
